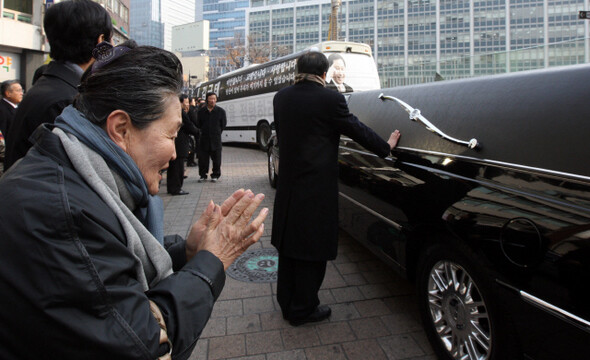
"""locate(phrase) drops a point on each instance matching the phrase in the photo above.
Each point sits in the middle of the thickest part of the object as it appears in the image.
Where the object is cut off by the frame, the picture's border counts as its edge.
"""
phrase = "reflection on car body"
(497, 238)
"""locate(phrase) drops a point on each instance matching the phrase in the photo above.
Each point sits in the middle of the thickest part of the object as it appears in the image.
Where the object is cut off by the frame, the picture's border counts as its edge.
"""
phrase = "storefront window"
(24, 6)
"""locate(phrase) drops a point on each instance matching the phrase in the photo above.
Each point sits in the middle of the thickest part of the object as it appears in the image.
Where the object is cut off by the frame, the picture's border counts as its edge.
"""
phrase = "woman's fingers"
(245, 216)
(215, 218)
(238, 209)
(255, 224)
(229, 203)
(255, 236)
(205, 216)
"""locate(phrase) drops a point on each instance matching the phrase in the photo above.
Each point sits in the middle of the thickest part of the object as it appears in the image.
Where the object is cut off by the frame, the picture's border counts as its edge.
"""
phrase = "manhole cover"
(259, 265)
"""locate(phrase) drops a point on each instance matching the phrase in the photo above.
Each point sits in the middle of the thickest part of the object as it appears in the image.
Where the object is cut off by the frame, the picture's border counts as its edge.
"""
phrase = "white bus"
(246, 94)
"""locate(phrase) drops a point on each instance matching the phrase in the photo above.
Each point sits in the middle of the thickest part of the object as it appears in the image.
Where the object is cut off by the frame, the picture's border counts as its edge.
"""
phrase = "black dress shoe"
(322, 312)
(181, 192)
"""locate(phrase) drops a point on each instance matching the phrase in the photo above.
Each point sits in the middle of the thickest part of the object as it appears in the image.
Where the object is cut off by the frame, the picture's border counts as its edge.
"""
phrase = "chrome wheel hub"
(458, 312)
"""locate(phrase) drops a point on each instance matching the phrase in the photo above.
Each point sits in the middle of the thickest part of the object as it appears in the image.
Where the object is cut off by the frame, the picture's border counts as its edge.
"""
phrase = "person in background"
(87, 272)
(175, 173)
(305, 218)
(211, 121)
(193, 140)
(12, 95)
(2, 147)
(337, 72)
(73, 29)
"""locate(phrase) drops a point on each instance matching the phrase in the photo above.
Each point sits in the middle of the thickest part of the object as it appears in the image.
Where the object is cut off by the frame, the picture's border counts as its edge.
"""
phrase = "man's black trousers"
(175, 175)
(203, 157)
(298, 285)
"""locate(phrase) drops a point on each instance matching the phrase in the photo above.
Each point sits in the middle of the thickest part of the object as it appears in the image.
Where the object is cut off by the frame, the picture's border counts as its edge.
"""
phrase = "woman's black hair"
(138, 81)
(312, 62)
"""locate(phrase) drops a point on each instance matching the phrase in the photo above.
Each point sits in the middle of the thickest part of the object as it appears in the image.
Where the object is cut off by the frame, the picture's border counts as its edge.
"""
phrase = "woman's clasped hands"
(226, 230)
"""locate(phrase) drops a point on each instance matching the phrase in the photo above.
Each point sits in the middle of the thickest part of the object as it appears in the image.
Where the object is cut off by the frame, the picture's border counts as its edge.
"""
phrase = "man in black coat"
(309, 119)
(211, 121)
(73, 28)
(12, 95)
(175, 172)
(193, 140)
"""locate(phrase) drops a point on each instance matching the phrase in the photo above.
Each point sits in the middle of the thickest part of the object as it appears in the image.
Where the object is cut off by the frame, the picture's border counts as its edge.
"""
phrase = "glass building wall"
(227, 21)
(307, 19)
(417, 41)
(151, 21)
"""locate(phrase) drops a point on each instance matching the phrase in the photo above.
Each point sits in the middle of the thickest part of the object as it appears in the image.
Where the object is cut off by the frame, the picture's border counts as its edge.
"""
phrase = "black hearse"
(485, 205)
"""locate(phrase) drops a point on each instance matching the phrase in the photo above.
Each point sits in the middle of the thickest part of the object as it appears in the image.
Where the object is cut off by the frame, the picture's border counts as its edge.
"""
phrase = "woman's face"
(339, 71)
(153, 147)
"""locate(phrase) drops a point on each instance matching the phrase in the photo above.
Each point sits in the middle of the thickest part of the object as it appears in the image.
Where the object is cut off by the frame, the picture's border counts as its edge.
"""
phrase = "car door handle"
(415, 115)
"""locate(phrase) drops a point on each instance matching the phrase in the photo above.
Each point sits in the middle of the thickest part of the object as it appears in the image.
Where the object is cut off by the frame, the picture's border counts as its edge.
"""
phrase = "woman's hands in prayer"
(225, 230)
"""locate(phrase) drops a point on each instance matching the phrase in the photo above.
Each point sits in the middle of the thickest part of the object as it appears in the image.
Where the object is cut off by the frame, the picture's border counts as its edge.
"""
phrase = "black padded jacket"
(67, 279)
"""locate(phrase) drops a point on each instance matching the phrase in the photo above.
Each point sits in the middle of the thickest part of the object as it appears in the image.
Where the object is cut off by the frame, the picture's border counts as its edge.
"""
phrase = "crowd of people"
(86, 267)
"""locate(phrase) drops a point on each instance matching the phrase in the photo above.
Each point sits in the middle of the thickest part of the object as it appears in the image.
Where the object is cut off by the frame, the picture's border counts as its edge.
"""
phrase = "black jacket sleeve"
(188, 126)
(350, 125)
(68, 279)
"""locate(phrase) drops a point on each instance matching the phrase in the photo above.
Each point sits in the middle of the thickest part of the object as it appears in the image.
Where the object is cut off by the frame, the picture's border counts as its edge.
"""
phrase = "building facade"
(22, 44)
(119, 11)
(417, 41)
(227, 29)
(151, 21)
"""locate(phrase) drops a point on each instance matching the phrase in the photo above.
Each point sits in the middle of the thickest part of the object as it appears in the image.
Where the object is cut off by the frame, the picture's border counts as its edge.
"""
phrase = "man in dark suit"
(193, 140)
(211, 121)
(175, 172)
(73, 29)
(309, 119)
(12, 95)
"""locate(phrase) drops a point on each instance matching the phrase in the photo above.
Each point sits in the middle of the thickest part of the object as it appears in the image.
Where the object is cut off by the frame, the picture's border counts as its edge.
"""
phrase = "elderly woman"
(85, 270)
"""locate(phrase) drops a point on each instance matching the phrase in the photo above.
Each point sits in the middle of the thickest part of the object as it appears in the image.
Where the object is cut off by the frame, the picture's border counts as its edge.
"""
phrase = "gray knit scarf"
(153, 261)
(310, 77)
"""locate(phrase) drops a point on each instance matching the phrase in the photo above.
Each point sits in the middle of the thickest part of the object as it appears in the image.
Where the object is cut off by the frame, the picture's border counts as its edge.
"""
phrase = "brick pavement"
(374, 313)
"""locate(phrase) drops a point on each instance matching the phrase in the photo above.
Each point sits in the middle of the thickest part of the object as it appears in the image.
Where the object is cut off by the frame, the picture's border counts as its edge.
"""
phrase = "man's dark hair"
(181, 97)
(139, 81)
(312, 62)
(73, 28)
(209, 94)
(6, 86)
(334, 57)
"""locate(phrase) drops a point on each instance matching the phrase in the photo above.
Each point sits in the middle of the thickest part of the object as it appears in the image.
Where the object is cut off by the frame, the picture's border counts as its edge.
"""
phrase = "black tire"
(272, 173)
(462, 322)
(263, 133)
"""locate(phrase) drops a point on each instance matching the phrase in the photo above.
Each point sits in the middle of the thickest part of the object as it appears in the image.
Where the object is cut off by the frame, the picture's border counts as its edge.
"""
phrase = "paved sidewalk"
(374, 313)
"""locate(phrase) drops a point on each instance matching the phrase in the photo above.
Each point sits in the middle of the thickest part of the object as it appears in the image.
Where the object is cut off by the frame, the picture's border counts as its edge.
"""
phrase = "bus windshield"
(350, 72)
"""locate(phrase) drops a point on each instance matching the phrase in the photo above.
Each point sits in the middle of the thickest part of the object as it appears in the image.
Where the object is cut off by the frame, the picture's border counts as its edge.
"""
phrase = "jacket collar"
(63, 72)
(48, 144)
